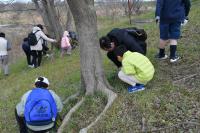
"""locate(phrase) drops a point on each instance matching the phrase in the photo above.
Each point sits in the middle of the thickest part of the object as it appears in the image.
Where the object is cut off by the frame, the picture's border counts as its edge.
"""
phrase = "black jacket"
(26, 46)
(121, 37)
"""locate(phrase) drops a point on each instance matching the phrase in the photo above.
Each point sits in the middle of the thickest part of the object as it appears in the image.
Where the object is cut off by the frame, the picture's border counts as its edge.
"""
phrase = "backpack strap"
(36, 37)
(36, 31)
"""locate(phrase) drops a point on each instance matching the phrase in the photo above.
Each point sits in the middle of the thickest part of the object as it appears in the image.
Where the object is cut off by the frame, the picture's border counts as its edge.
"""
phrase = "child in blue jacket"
(170, 14)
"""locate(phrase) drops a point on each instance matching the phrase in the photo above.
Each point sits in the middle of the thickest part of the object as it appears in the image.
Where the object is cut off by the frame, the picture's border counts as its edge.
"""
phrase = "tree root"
(71, 97)
(111, 97)
(68, 116)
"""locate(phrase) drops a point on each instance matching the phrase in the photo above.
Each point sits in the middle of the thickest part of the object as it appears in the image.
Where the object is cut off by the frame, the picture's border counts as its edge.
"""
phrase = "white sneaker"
(47, 55)
(161, 57)
(31, 66)
(175, 59)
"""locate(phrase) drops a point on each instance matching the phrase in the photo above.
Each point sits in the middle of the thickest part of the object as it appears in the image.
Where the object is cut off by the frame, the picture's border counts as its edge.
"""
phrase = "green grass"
(161, 104)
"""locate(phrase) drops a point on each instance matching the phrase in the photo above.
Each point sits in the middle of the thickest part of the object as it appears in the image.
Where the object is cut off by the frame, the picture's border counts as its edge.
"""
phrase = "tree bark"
(48, 12)
(86, 24)
(44, 17)
(70, 19)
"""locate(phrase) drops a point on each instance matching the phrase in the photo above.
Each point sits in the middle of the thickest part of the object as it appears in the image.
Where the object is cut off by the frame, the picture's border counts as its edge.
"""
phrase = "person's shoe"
(31, 66)
(136, 88)
(175, 59)
(161, 57)
(47, 55)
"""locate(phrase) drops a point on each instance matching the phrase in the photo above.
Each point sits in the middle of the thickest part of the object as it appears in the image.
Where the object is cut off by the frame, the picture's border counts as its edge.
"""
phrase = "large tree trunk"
(48, 12)
(92, 75)
(91, 63)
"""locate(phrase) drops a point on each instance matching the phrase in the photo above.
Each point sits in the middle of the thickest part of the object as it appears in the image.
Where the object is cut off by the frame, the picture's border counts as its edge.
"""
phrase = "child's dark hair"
(40, 83)
(120, 50)
(2, 34)
(105, 42)
(40, 26)
(25, 39)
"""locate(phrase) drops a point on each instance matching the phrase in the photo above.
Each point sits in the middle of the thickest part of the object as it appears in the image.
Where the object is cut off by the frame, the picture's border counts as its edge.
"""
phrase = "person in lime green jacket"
(136, 69)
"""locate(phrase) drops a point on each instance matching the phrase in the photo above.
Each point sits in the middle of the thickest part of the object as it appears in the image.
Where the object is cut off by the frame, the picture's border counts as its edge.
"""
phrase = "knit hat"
(66, 33)
(42, 80)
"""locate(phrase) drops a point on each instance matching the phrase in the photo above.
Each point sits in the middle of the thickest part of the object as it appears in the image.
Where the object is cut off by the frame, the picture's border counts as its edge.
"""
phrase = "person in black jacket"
(117, 37)
(27, 51)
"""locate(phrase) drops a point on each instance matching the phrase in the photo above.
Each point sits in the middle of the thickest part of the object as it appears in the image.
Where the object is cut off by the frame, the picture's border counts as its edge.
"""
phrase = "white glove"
(184, 22)
(157, 19)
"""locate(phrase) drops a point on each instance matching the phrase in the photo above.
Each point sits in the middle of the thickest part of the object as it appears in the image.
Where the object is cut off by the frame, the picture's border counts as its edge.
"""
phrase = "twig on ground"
(144, 125)
(184, 78)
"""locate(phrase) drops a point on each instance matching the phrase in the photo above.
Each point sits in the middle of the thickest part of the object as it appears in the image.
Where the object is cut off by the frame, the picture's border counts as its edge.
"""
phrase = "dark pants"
(113, 58)
(22, 124)
(27, 51)
(37, 58)
(44, 49)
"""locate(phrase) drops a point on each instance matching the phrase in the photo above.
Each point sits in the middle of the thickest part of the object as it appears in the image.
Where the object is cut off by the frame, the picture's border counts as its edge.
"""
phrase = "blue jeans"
(170, 30)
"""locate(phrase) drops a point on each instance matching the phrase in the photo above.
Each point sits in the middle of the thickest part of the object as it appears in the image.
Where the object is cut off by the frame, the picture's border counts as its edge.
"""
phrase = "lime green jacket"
(138, 65)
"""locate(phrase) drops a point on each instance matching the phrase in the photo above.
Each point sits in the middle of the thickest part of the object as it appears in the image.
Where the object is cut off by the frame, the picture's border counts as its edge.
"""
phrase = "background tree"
(70, 19)
(47, 9)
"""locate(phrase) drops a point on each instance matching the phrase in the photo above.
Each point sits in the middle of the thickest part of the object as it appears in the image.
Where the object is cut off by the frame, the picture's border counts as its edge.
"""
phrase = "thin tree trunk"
(70, 20)
(48, 12)
(43, 13)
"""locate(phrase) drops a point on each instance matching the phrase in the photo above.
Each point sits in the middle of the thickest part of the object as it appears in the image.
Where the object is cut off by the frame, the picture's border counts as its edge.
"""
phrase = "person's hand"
(55, 40)
(157, 19)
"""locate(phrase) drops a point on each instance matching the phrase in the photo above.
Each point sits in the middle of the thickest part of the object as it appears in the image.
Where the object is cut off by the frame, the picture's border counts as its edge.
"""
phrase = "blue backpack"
(40, 108)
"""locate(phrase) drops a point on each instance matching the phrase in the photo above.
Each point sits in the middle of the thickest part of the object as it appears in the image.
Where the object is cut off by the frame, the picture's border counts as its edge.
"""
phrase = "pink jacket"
(65, 42)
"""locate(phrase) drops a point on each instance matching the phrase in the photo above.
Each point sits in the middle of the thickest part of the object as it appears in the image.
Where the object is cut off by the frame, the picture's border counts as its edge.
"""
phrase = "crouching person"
(136, 70)
(38, 109)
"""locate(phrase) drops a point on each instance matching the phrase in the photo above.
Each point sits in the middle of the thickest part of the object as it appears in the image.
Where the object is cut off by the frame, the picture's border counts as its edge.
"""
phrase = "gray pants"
(4, 63)
(66, 50)
(129, 79)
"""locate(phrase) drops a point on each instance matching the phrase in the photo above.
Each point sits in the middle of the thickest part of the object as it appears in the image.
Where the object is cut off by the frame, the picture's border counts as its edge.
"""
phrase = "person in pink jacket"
(65, 44)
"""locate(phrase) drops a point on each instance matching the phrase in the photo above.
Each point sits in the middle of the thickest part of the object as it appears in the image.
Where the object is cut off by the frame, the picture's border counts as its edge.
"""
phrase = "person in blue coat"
(170, 14)
(27, 51)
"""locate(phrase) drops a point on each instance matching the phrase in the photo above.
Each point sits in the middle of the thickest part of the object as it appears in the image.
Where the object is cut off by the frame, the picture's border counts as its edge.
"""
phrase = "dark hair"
(2, 34)
(120, 50)
(40, 26)
(40, 83)
(25, 39)
(105, 42)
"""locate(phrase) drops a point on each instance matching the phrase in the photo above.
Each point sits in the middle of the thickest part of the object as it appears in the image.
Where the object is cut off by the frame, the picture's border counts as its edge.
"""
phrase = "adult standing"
(170, 14)
(36, 50)
(5, 46)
